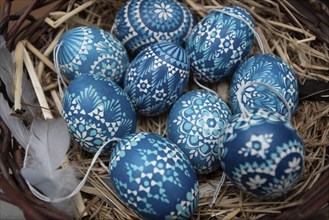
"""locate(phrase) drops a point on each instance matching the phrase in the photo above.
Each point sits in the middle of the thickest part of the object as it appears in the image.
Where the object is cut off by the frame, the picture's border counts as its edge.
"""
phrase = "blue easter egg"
(96, 109)
(91, 51)
(262, 154)
(140, 23)
(195, 123)
(219, 43)
(157, 77)
(271, 70)
(154, 177)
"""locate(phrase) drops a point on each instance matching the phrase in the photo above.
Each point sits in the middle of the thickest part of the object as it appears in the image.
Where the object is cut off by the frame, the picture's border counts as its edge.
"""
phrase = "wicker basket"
(297, 31)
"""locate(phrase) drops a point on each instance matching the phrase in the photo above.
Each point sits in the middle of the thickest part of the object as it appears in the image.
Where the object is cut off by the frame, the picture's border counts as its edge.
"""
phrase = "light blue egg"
(195, 124)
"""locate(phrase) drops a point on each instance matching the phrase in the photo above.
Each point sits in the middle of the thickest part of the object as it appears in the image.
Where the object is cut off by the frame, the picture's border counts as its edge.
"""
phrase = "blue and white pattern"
(271, 70)
(219, 43)
(96, 109)
(140, 23)
(262, 154)
(91, 51)
(156, 78)
(154, 177)
(195, 124)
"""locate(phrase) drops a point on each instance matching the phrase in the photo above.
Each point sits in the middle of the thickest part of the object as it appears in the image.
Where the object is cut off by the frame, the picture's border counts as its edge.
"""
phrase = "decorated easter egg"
(274, 72)
(157, 77)
(140, 23)
(96, 110)
(91, 51)
(262, 154)
(195, 123)
(219, 43)
(154, 177)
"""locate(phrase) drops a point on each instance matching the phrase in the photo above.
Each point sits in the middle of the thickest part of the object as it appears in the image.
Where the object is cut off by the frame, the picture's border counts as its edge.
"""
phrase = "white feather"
(48, 145)
(28, 93)
(6, 75)
(49, 142)
(15, 125)
(6, 68)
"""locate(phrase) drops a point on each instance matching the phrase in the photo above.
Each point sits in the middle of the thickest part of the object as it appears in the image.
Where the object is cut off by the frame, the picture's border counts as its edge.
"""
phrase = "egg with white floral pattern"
(262, 154)
(91, 51)
(140, 23)
(154, 177)
(156, 78)
(195, 123)
(96, 110)
(274, 72)
(219, 43)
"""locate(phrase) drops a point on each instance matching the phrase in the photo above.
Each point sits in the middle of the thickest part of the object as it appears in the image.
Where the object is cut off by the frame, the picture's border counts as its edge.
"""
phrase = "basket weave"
(296, 31)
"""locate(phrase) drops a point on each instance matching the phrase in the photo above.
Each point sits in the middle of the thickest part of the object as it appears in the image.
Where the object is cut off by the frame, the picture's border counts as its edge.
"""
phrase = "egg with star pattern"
(154, 177)
(140, 23)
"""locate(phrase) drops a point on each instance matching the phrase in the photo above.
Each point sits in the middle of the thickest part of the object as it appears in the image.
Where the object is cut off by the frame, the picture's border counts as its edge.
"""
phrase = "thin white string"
(275, 91)
(103, 164)
(259, 40)
(217, 191)
(60, 80)
(40, 196)
(112, 29)
(203, 87)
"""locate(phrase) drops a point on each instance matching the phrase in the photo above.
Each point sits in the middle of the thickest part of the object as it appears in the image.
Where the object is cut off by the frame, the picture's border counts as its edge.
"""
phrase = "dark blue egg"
(262, 154)
(271, 70)
(154, 177)
(91, 51)
(96, 109)
(140, 23)
(219, 43)
(195, 124)
(156, 78)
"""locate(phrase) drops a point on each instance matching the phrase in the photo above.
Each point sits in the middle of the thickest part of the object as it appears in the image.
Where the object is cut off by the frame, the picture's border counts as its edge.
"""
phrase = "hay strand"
(18, 76)
(36, 85)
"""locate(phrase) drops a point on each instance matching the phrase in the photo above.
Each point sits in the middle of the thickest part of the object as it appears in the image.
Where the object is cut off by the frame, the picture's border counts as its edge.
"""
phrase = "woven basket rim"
(36, 35)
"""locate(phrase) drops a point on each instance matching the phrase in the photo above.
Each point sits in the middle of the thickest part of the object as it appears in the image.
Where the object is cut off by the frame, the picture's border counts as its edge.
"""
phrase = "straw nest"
(284, 32)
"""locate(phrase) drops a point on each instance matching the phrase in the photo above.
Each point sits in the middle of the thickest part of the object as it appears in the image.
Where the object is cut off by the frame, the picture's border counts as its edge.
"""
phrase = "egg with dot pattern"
(140, 23)
(271, 70)
(195, 123)
(96, 109)
(91, 51)
(154, 177)
(219, 43)
(156, 78)
(262, 154)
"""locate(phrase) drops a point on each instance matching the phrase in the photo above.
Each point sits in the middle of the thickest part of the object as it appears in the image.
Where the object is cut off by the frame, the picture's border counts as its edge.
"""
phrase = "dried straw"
(283, 33)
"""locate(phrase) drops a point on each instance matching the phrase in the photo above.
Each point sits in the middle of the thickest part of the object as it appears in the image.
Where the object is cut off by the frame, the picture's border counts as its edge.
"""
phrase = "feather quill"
(49, 142)
(15, 125)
